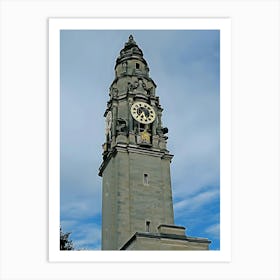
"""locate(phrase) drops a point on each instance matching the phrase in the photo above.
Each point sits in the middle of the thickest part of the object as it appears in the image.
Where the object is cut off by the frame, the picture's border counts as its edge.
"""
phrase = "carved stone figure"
(145, 136)
(129, 87)
(121, 125)
(108, 124)
(114, 92)
(135, 85)
(161, 131)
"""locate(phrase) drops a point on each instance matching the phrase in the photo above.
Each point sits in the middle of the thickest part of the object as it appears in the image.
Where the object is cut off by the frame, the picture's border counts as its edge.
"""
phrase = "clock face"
(143, 112)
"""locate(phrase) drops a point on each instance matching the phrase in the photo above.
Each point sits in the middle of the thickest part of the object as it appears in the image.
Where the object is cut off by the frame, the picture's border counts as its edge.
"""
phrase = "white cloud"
(213, 230)
(193, 203)
(81, 208)
(89, 237)
(85, 236)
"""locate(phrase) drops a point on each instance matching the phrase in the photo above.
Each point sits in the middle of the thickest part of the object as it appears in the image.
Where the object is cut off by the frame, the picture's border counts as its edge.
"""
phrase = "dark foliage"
(65, 242)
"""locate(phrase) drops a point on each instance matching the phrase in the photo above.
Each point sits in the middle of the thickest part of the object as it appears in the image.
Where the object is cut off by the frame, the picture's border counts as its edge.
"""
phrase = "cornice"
(122, 148)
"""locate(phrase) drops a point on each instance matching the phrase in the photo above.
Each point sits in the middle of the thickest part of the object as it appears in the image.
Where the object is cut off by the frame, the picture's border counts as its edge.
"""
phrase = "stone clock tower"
(137, 209)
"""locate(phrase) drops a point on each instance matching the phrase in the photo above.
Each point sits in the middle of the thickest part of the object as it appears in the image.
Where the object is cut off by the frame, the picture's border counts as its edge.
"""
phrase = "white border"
(224, 25)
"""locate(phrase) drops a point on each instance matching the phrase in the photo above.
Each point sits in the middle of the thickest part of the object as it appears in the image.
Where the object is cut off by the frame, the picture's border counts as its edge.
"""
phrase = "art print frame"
(55, 27)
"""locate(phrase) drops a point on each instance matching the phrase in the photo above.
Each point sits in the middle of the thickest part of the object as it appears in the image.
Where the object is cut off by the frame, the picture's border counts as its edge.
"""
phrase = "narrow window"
(137, 66)
(148, 226)
(146, 179)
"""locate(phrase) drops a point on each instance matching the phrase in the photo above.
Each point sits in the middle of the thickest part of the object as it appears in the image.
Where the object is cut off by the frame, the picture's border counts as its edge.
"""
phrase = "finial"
(130, 41)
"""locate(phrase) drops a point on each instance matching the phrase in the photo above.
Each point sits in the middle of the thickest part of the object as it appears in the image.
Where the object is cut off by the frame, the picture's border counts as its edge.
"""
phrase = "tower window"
(146, 179)
(148, 226)
(137, 66)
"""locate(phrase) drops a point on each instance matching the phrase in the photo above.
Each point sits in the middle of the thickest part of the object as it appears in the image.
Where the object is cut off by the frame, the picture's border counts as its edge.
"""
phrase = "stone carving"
(130, 41)
(141, 84)
(161, 131)
(138, 86)
(164, 130)
(129, 87)
(113, 92)
(121, 125)
(108, 124)
(135, 85)
(151, 91)
(145, 136)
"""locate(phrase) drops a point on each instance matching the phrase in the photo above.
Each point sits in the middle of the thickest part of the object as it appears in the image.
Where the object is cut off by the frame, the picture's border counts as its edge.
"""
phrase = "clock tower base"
(168, 237)
(136, 193)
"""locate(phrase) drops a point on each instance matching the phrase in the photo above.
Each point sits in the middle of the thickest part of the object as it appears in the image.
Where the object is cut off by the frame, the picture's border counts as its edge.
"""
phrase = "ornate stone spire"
(130, 51)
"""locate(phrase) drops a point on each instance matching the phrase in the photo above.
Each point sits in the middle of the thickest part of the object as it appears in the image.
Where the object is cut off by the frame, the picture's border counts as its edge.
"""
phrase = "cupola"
(131, 60)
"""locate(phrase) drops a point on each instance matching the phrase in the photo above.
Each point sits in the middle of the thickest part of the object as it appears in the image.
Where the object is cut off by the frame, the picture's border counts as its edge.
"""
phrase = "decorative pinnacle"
(130, 41)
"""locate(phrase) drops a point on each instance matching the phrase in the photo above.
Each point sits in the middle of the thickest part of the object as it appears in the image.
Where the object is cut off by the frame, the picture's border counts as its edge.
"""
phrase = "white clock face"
(143, 112)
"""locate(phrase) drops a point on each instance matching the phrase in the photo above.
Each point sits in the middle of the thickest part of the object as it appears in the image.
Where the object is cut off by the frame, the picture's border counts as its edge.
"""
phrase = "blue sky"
(185, 65)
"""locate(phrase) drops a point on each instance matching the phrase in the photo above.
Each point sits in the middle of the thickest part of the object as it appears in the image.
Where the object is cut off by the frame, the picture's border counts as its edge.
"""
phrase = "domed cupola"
(131, 61)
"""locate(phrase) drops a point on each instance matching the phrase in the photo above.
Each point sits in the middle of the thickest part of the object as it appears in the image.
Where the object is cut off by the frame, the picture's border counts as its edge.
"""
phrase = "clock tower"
(137, 208)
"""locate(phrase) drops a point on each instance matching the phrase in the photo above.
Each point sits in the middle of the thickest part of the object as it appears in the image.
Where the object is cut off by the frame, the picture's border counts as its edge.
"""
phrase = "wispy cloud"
(85, 235)
(195, 202)
(89, 237)
(213, 230)
(80, 207)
